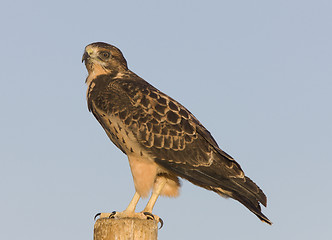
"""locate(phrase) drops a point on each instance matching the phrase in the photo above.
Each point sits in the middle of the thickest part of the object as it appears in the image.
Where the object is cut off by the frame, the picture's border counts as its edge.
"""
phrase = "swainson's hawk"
(162, 139)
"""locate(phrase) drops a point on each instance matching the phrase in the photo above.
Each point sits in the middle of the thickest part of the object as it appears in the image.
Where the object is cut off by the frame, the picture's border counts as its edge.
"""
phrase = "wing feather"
(171, 132)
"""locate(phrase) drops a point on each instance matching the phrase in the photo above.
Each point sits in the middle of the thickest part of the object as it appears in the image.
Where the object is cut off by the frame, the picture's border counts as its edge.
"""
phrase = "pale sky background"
(257, 74)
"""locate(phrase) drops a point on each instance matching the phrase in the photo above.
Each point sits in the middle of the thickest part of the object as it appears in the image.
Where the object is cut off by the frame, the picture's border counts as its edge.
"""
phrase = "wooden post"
(125, 229)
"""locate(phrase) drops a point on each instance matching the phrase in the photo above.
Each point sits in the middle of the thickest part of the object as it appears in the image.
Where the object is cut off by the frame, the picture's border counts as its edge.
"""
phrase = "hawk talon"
(112, 215)
(161, 223)
(98, 214)
(149, 216)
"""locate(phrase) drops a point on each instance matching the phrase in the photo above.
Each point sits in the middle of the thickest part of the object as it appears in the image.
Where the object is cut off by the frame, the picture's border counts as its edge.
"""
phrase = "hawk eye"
(104, 55)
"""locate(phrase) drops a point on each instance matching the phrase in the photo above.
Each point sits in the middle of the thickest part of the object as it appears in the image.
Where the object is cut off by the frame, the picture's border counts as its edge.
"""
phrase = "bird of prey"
(161, 138)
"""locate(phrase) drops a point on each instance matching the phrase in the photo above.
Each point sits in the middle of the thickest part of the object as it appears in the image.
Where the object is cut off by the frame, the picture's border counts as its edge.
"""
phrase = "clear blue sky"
(257, 74)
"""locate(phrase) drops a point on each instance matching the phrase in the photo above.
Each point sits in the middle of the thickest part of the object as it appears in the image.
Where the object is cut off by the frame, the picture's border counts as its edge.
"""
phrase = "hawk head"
(103, 58)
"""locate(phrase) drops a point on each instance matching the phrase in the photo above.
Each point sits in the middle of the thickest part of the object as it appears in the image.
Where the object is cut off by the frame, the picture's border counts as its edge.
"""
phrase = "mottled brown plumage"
(162, 139)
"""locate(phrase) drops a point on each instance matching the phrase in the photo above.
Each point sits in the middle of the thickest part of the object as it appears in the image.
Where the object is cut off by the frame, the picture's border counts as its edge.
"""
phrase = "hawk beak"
(85, 56)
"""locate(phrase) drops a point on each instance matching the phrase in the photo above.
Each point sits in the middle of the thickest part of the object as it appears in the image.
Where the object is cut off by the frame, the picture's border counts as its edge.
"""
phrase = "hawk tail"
(249, 202)
(249, 194)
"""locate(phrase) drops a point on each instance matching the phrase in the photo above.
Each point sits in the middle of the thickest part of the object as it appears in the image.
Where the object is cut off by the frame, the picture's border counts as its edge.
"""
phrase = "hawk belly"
(144, 170)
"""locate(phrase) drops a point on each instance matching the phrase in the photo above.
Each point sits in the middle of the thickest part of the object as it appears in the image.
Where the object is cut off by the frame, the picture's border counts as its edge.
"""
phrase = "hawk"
(161, 138)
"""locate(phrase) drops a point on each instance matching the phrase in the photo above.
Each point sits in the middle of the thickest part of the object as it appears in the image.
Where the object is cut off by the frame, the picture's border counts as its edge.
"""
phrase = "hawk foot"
(125, 214)
(154, 217)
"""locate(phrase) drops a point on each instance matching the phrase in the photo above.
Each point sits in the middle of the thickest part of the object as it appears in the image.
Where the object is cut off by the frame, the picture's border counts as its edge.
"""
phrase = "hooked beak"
(85, 56)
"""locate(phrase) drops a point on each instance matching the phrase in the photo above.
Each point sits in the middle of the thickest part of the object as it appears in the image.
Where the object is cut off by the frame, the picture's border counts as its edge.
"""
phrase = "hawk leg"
(158, 187)
(129, 212)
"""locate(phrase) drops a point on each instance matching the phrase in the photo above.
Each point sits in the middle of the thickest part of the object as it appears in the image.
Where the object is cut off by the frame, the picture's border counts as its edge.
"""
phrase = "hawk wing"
(175, 138)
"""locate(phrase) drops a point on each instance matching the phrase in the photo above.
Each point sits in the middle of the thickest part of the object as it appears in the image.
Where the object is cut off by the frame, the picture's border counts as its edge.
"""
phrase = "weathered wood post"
(125, 229)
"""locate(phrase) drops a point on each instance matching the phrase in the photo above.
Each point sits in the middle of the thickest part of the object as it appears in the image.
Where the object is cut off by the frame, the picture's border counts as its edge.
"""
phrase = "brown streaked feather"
(182, 133)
